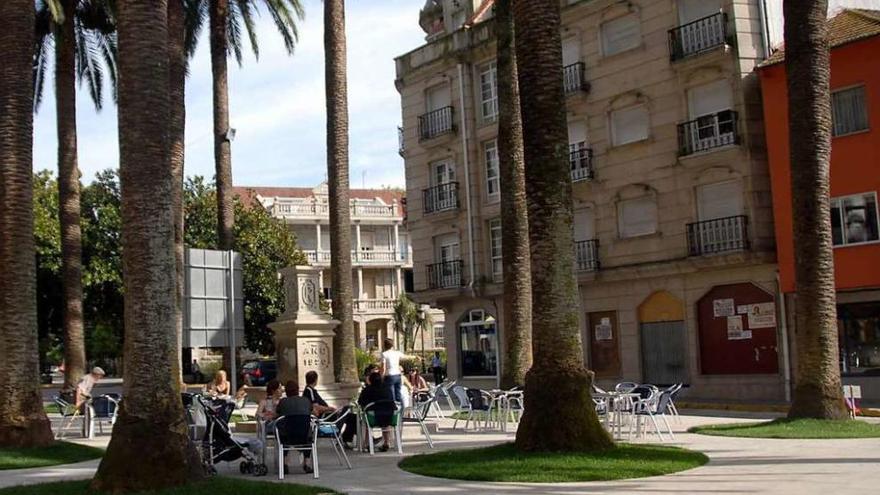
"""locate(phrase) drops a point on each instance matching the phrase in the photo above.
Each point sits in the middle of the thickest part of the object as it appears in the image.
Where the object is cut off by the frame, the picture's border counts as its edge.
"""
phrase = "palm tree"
(817, 391)
(177, 68)
(410, 321)
(226, 19)
(83, 34)
(149, 448)
(514, 210)
(558, 356)
(23, 423)
(336, 88)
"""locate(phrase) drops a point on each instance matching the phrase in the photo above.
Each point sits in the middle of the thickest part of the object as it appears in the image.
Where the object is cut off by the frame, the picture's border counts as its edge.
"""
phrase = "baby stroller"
(209, 429)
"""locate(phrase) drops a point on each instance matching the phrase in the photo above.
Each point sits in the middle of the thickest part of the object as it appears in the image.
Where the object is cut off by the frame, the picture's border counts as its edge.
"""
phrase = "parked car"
(259, 372)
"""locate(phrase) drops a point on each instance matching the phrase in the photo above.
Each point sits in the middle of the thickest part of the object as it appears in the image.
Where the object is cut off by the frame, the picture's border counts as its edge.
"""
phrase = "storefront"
(858, 326)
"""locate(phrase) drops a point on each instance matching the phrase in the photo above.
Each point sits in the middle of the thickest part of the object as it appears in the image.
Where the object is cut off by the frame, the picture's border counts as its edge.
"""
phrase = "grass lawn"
(505, 463)
(794, 428)
(58, 453)
(214, 486)
(51, 408)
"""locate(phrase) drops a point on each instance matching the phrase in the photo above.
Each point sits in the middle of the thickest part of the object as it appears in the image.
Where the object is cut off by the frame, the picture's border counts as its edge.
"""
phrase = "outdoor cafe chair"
(422, 406)
(368, 421)
(69, 413)
(327, 427)
(625, 386)
(104, 409)
(672, 392)
(651, 406)
(295, 433)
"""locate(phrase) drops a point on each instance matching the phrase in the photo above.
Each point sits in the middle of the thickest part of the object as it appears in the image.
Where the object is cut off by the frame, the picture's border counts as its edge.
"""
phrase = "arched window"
(479, 344)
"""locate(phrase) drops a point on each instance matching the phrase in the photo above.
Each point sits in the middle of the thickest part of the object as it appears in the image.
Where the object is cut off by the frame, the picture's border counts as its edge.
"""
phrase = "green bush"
(364, 358)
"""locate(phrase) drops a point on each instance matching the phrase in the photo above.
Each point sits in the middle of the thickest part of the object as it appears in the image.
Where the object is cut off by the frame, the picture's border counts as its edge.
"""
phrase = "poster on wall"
(723, 308)
(603, 330)
(735, 329)
(761, 315)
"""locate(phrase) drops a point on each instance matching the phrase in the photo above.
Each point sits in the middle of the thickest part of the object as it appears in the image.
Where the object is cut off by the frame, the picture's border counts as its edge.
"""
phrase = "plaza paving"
(737, 465)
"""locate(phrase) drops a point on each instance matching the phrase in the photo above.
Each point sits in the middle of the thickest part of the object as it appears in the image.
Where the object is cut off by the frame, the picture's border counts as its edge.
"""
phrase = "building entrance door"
(663, 335)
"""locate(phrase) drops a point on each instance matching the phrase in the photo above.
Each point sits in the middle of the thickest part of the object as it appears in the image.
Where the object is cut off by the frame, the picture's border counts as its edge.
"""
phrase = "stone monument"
(304, 336)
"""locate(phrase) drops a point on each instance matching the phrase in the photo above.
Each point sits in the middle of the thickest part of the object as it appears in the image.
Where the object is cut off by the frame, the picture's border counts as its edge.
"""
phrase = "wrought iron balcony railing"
(573, 78)
(445, 275)
(718, 235)
(698, 36)
(581, 159)
(707, 132)
(442, 197)
(435, 123)
(587, 255)
(401, 145)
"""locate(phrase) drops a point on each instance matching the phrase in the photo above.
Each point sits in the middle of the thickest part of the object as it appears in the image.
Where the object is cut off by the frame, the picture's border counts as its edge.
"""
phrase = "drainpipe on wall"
(786, 357)
(467, 176)
(765, 27)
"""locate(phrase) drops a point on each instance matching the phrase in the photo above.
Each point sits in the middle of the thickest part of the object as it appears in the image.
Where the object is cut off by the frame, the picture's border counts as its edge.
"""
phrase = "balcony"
(445, 275)
(573, 78)
(718, 235)
(698, 36)
(401, 145)
(581, 159)
(289, 209)
(441, 198)
(708, 132)
(374, 305)
(363, 257)
(586, 255)
(435, 123)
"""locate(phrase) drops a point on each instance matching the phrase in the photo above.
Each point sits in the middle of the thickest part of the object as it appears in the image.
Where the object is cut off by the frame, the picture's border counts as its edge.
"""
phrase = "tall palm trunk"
(558, 357)
(817, 391)
(514, 210)
(23, 423)
(218, 19)
(68, 198)
(177, 130)
(149, 448)
(337, 177)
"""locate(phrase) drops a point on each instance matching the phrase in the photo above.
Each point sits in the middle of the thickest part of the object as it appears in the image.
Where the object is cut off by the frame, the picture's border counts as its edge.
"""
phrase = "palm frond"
(195, 19)
(88, 65)
(55, 10)
(43, 49)
(285, 14)
(246, 9)
(233, 32)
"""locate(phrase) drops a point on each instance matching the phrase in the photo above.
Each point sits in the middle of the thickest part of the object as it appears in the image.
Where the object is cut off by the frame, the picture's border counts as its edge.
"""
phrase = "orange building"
(855, 183)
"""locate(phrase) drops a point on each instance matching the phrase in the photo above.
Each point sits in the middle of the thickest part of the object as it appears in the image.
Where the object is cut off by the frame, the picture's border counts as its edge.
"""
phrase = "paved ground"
(736, 466)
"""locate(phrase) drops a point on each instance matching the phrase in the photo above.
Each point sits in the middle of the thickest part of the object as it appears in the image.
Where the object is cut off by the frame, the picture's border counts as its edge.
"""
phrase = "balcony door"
(711, 123)
(584, 232)
(692, 10)
(448, 252)
(720, 200)
(442, 173)
(721, 226)
(437, 97)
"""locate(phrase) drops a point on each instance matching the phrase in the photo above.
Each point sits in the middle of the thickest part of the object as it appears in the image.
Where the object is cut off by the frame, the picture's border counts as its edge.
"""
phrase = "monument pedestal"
(304, 337)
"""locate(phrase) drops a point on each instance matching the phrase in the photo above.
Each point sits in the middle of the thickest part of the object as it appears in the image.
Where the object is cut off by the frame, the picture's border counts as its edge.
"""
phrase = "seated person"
(383, 412)
(86, 383)
(319, 405)
(266, 407)
(418, 382)
(294, 405)
(219, 388)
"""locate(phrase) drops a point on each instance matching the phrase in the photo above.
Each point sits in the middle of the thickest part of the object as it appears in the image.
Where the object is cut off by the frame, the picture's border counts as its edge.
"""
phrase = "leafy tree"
(409, 321)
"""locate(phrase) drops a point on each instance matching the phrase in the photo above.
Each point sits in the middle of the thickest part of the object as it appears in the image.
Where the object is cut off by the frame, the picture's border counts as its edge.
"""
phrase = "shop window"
(479, 344)
(859, 329)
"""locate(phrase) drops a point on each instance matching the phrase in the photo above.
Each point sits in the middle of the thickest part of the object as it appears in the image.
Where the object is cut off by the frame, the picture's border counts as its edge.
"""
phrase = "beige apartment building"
(381, 255)
(673, 231)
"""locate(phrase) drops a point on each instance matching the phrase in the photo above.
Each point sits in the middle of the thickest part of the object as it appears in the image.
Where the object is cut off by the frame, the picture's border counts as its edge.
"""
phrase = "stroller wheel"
(246, 467)
(261, 470)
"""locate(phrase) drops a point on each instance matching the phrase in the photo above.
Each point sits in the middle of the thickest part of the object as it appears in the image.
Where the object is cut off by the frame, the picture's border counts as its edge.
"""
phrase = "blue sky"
(277, 105)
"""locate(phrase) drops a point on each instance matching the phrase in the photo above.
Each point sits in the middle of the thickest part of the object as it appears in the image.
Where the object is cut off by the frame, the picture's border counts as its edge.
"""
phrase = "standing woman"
(390, 369)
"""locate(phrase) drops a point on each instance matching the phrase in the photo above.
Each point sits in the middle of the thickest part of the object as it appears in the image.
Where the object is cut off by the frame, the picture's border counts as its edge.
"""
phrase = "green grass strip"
(505, 463)
(57, 453)
(794, 428)
(214, 486)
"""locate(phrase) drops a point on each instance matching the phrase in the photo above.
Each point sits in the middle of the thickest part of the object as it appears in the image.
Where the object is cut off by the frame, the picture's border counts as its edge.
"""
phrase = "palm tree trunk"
(344, 361)
(149, 448)
(558, 357)
(514, 210)
(817, 391)
(23, 423)
(218, 18)
(177, 125)
(68, 199)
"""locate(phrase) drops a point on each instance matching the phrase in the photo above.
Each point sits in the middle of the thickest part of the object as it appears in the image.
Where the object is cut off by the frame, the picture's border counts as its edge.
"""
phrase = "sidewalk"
(737, 465)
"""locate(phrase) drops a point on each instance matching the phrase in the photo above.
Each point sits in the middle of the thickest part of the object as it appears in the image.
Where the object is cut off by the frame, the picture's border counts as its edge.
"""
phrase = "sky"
(276, 105)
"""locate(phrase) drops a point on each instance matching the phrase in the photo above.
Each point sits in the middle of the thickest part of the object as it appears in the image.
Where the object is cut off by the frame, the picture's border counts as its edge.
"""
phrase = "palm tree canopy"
(95, 32)
(241, 21)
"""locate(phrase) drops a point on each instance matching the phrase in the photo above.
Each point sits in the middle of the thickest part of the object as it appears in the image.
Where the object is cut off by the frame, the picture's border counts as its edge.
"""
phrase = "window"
(849, 113)
(444, 173)
(495, 249)
(858, 325)
(488, 92)
(854, 219)
(637, 217)
(629, 125)
(479, 344)
(621, 34)
(439, 336)
(490, 154)
(720, 200)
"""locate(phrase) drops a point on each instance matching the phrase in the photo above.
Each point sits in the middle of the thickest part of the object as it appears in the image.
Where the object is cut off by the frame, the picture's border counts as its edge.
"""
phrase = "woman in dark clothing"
(383, 411)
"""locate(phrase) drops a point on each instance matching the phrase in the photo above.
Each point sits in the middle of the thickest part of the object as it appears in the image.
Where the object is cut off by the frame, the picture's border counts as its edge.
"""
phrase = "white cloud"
(277, 104)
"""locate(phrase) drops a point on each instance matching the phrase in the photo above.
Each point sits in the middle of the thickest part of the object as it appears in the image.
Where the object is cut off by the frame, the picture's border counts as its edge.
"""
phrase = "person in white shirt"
(390, 369)
(85, 385)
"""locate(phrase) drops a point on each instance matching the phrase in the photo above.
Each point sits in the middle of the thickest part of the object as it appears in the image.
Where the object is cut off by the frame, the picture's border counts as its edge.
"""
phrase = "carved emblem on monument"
(309, 294)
